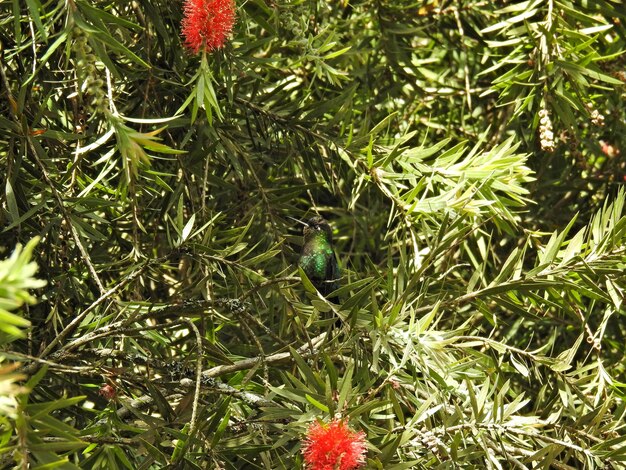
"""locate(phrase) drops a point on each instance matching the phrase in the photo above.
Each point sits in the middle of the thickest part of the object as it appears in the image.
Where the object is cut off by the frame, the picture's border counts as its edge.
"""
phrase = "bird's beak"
(297, 220)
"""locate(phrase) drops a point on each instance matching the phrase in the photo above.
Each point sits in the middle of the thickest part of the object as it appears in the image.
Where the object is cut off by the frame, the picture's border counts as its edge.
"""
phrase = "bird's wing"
(332, 267)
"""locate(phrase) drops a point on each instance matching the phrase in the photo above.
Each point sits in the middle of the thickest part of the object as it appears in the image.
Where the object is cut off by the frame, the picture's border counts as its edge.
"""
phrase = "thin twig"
(81, 316)
(196, 396)
(465, 67)
(271, 359)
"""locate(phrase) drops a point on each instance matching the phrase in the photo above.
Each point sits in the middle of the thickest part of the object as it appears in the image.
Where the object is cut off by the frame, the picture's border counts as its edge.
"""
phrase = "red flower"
(333, 446)
(207, 23)
(107, 391)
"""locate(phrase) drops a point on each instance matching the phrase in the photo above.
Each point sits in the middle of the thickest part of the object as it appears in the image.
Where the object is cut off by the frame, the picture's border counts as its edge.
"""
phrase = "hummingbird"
(317, 258)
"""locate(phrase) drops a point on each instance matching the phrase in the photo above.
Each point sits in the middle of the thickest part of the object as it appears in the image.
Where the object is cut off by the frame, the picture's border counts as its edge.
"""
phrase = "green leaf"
(319, 405)
(565, 358)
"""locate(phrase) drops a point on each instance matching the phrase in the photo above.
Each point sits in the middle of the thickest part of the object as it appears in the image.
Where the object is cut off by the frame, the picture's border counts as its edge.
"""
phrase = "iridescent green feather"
(318, 259)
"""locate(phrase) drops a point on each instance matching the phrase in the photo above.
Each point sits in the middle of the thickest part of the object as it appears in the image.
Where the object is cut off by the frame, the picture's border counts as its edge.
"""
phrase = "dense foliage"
(467, 155)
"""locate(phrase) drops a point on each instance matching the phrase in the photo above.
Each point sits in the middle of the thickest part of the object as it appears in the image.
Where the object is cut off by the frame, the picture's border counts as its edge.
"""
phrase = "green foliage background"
(482, 300)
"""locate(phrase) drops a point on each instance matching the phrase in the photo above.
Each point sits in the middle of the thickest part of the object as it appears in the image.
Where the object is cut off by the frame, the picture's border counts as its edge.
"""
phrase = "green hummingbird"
(318, 259)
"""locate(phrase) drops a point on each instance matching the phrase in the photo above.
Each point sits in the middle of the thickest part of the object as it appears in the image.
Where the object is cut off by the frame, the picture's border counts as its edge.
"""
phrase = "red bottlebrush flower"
(207, 23)
(333, 446)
